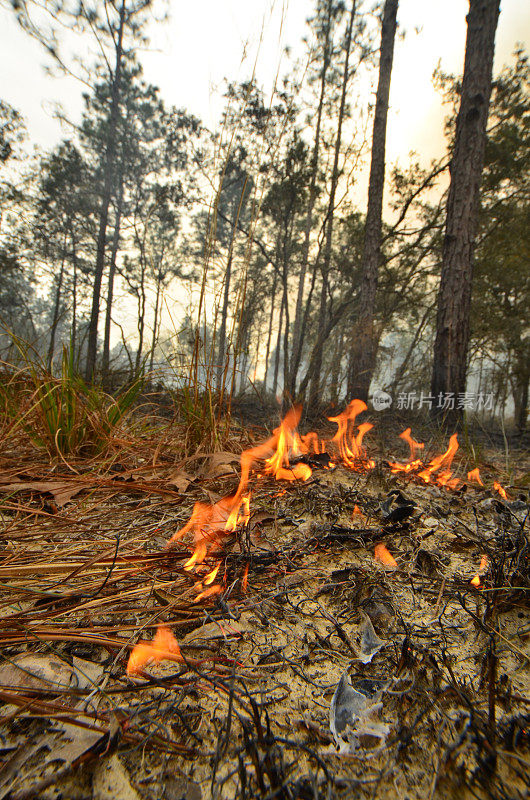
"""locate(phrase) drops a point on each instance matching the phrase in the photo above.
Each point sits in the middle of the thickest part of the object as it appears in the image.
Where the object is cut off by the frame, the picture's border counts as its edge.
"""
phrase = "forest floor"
(435, 670)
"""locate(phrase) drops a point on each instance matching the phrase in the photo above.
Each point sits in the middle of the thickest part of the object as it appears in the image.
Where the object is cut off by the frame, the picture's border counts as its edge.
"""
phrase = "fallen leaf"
(62, 493)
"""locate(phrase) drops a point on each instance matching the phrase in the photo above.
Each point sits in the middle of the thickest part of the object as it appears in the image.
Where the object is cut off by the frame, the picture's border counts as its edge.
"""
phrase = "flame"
(164, 647)
(474, 476)
(212, 575)
(481, 570)
(438, 469)
(412, 443)
(209, 592)
(444, 461)
(498, 488)
(350, 448)
(357, 512)
(210, 522)
(413, 464)
(381, 554)
(244, 580)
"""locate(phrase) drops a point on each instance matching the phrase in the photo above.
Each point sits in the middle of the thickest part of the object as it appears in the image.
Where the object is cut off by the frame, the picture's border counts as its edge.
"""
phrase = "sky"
(206, 41)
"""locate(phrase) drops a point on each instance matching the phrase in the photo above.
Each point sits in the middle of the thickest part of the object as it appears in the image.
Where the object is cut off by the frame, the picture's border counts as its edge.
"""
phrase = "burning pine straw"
(336, 625)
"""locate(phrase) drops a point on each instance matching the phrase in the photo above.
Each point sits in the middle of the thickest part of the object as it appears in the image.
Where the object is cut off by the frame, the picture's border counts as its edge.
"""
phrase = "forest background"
(221, 247)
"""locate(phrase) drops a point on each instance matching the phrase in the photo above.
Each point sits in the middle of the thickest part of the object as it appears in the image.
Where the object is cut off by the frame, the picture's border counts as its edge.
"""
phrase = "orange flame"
(357, 512)
(474, 476)
(481, 570)
(444, 461)
(498, 488)
(209, 592)
(210, 522)
(381, 554)
(164, 647)
(244, 581)
(412, 443)
(350, 448)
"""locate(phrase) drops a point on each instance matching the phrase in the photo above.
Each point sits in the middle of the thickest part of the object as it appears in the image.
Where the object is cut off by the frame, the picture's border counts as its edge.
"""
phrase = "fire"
(164, 647)
(438, 470)
(413, 463)
(357, 512)
(381, 554)
(498, 488)
(412, 443)
(351, 448)
(481, 570)
(244, 580)
(474, 476)
(443, 463)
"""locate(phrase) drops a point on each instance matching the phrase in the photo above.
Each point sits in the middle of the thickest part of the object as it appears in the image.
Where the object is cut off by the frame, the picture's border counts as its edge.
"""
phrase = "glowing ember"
(498, 488)
(350, 448)
(481, 570)
(381, 554)
(164, 647)
(474, 476)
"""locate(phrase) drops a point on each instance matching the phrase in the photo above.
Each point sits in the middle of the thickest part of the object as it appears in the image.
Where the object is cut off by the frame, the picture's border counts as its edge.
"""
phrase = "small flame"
(164, 647)
(474, 476)
(211, 591)
(212, 575)
(442, 462)
(210, 523)
(381, 554)
(350, 448)
(357, 512)
(498, 488)
(244, 580)
(481, 570)
(412, 443)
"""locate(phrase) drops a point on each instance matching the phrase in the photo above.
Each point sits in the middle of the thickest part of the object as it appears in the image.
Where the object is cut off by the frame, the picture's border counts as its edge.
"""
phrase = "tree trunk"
(105, 361)
(73, 337)
(56, 313)
(155, 329)
(278, 348)
(297, 326)
(224, 314)
(269, 334)
(364, 342)
(105, 203)
(314, 391)
(454, 295)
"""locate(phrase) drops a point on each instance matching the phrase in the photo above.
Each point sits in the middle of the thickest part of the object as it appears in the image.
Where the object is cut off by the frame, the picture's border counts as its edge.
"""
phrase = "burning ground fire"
(288, 456)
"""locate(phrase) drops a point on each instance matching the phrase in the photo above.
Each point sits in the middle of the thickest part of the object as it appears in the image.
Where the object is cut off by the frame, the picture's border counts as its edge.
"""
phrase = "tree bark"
(454, 295)
(364, 342)
(105, 203)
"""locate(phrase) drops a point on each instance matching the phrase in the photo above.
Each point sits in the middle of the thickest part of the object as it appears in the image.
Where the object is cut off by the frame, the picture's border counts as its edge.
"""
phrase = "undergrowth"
(61, 414)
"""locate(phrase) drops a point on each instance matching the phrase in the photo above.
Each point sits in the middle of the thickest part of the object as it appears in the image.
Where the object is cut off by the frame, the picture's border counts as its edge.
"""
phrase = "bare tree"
(454, 296)
(366, 338)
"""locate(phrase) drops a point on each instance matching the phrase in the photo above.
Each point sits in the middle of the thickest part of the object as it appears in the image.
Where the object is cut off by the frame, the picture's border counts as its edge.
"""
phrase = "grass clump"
(63, 414)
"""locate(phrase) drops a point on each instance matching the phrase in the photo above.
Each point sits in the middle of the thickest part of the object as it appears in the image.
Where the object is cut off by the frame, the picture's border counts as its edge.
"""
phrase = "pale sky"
(205, 40)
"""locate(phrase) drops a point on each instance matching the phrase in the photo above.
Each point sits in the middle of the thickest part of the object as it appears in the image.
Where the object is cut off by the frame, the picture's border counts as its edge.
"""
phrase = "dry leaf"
(62, 493)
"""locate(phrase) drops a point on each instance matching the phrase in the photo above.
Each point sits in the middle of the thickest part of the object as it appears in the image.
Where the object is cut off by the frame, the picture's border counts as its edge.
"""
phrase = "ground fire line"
(282, 454)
